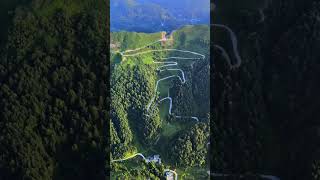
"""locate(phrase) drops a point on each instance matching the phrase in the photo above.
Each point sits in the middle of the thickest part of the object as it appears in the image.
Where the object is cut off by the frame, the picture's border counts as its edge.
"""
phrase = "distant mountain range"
(157, 15)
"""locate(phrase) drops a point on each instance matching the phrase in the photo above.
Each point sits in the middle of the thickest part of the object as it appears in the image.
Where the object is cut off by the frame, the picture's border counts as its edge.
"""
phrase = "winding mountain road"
(165, 67)
(167, 64)
(234, 41)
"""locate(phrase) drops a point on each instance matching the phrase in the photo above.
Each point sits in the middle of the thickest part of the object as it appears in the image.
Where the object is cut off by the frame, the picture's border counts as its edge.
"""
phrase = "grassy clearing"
(165, 85)
(169, 129)
(163, 109)
(163, 88)
(133, 40)
(128, 62)
(147, 60)
(135, 61)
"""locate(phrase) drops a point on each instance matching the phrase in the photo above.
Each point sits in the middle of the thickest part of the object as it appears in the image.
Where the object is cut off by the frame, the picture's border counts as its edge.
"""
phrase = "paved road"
(165, 67)
(156, 88)
(130, 157)
(192, 117)
(163, 50)
(137, 49)
(141, 155)
(170, 102)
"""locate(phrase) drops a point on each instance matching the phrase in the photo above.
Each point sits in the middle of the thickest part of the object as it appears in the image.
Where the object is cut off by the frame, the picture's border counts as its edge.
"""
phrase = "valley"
(157, 15)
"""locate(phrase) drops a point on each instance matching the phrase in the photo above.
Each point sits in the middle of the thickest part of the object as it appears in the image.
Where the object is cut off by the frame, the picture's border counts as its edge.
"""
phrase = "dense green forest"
(194, 96)
(181, 143)
(266, 113)
(53, 90)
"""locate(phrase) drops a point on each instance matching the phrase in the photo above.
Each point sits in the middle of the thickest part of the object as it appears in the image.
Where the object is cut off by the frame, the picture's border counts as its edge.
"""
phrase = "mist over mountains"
(157, 15)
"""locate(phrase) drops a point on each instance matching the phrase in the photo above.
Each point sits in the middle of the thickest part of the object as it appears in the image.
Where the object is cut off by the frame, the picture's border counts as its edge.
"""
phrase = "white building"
(155, 158)
(169, 175)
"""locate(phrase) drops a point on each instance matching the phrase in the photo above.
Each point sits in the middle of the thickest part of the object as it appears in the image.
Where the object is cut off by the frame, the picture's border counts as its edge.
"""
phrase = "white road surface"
(130, 157)
(165, 67)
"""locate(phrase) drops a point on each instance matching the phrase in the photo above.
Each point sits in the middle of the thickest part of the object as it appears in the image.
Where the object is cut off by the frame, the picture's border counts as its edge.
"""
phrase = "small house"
(154, 158)
(169, 175)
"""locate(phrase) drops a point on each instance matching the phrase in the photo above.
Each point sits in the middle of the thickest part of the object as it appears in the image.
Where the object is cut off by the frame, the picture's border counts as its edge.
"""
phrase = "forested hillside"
(180, 142)
(266, 113)
(53, 89)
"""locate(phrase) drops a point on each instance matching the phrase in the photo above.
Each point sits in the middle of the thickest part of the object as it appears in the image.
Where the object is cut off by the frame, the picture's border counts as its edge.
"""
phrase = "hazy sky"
(155, 15)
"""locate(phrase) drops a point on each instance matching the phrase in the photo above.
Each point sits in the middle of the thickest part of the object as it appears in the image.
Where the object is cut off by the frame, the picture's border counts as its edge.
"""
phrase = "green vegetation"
(190, 148)
(133, 84)
(132, 40)
(169, 129)
(266, 111)
(53, 73)
(191, 173)
(137, 169)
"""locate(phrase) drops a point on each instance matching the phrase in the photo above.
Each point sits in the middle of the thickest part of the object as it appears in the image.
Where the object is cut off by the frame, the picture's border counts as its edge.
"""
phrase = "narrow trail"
(165, 67)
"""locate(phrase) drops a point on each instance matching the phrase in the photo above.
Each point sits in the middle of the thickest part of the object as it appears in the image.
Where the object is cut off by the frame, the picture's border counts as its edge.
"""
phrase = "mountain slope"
(134, 129)
(153, 16)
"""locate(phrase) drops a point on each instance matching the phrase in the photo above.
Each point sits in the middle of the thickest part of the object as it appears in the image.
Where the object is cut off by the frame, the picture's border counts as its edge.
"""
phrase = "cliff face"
(266, 110)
